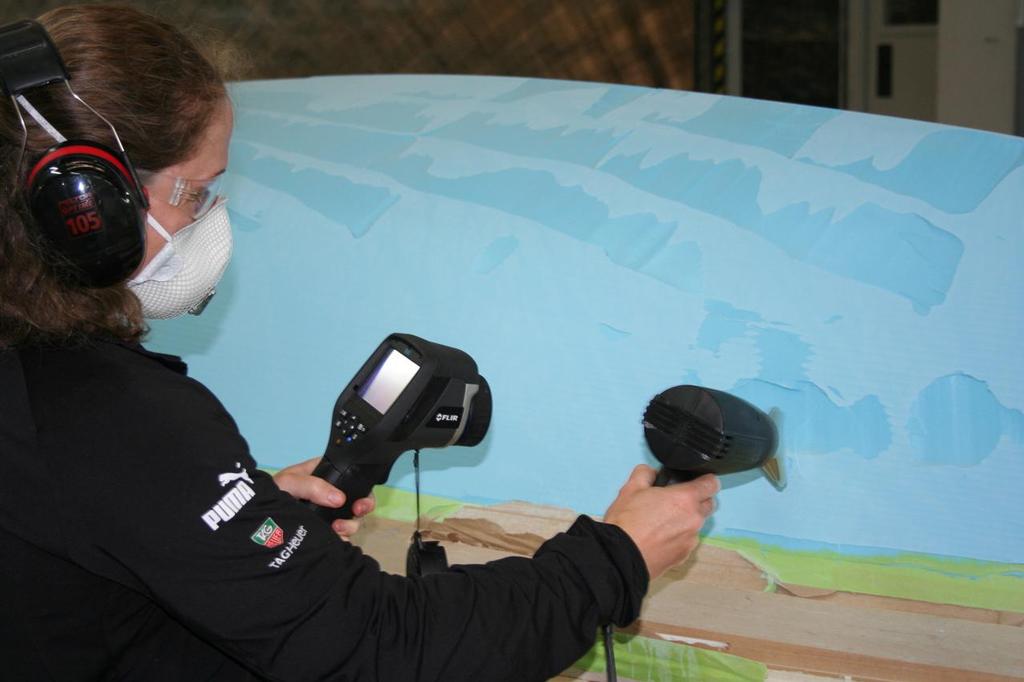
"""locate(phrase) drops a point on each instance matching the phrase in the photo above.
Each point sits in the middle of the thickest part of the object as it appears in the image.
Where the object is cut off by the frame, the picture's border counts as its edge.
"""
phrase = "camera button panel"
(348, 427)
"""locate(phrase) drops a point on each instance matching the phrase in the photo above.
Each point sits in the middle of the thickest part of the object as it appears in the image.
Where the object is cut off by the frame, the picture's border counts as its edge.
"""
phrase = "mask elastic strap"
(40, 119)
(158, 227)
(20, 102)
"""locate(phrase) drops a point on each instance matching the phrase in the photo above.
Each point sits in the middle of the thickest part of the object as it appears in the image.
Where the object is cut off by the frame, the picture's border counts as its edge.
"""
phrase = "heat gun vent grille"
(686, 430)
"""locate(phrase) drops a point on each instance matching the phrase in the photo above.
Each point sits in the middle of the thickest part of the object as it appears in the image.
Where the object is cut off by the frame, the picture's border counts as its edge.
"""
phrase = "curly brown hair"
(160, 93)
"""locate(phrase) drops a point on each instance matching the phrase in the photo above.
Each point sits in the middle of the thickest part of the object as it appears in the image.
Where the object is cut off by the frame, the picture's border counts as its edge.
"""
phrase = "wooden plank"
(827, 638)
(520, 528)
(718, 597)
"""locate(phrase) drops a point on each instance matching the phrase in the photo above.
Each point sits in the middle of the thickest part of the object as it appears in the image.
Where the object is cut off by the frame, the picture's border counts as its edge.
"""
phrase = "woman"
(140, 541)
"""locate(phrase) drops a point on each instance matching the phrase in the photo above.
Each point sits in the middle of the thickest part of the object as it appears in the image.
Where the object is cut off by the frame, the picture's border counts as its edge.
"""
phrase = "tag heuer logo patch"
(269, 534)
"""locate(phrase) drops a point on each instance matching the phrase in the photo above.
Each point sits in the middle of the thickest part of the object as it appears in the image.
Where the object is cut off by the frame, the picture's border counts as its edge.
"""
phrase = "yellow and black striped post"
(709, 59)
(718, 46)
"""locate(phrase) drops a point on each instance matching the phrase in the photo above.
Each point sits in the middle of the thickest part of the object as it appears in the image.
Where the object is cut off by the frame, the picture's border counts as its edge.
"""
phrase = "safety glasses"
(198, 196)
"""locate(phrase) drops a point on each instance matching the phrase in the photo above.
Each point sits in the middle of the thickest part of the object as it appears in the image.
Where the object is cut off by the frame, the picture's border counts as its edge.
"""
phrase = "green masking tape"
(905, 575)
(651, 660)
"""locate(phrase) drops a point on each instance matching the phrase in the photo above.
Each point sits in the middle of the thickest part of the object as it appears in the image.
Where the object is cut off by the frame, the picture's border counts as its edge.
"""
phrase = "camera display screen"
(388, 381)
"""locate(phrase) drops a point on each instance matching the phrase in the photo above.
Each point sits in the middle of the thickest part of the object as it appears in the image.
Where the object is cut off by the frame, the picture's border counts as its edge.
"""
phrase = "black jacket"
(140, 542)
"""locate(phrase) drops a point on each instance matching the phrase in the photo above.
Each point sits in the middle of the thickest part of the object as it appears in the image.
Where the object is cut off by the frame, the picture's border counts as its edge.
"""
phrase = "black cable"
(416, 468)
(609, 653)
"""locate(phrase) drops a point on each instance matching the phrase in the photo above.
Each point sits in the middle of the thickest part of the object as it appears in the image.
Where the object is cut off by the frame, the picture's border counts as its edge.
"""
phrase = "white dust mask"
(182, 277)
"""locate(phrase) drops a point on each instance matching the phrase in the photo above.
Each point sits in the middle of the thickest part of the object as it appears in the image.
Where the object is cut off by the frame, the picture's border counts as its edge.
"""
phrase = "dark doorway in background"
(793, 51)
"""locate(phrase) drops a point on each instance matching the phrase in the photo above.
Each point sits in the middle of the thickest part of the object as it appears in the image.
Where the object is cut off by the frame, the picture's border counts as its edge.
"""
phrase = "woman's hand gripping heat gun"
(663, 522)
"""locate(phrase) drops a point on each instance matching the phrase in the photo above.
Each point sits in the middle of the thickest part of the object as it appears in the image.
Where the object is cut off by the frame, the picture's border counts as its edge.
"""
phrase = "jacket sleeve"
(178, 509)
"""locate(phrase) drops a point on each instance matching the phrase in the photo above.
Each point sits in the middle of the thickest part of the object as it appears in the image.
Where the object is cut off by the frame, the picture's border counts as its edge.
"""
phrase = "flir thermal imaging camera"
(410, 394)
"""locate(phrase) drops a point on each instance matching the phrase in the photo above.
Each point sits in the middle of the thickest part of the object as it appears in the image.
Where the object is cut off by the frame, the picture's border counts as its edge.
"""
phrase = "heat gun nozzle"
(773, 467)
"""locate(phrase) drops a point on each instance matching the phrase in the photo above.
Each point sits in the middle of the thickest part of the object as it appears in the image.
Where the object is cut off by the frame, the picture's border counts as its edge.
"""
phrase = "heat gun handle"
(355, 480)
(668, 476)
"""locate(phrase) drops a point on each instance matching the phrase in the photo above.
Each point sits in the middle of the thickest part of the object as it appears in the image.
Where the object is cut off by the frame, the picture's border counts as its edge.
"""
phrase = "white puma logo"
(233, 476)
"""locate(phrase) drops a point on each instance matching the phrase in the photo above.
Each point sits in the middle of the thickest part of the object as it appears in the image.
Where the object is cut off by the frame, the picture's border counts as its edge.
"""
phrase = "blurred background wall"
(643, 42)
(951, 61)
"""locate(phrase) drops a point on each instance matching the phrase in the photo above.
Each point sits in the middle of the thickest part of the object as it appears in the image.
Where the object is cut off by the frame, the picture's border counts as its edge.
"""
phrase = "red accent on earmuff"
(80, 149)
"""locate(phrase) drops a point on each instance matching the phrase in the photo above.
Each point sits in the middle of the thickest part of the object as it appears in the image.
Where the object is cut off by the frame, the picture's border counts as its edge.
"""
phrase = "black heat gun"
(694, 430)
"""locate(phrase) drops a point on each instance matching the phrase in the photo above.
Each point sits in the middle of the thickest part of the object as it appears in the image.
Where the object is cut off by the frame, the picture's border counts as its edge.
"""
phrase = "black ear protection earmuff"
(85, 198)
